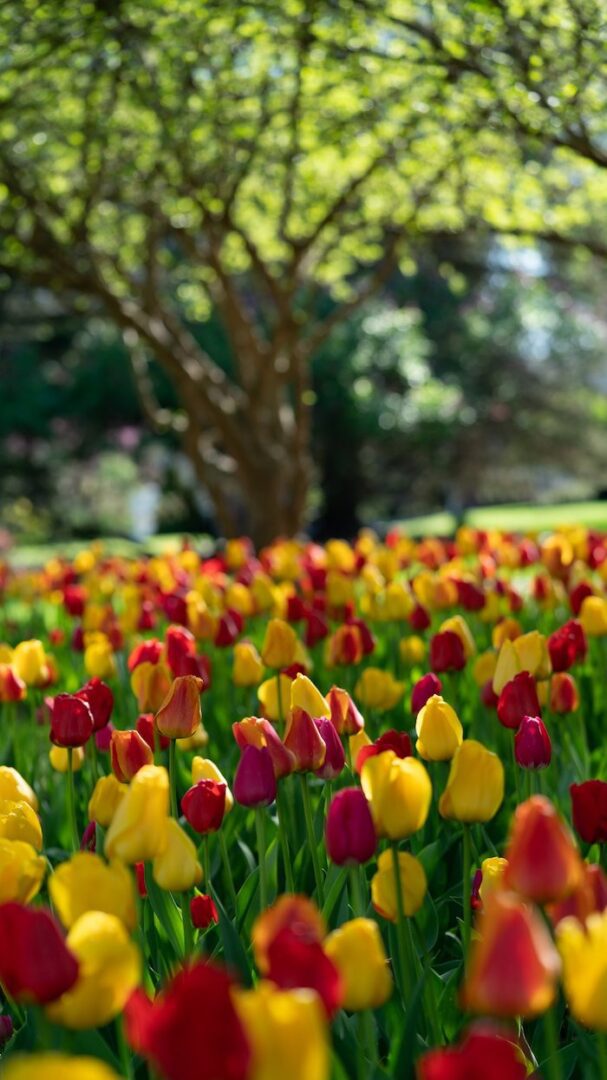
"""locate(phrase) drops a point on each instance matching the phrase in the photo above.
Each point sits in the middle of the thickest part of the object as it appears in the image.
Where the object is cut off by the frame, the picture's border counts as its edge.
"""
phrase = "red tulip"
(398, 741)
(128, 754)
(180, 643)
(335, 757)
(577, 597)
(447, 652)
(564, 697)
(349, 830)
(255, 782)
(518, 699)
(532, 746)
(203, 911)
(304, 741)
(147, 729)
(227, 631)
(203, 806)
(590, 896)
(567, 645)
(425, 688)
(419, 619)
(543, 861)
(589, 804)
(100, 700)
(71, 721)
(148, 651)
(295, 962)
(486, 1050)
(35, 963)
(191, 1031)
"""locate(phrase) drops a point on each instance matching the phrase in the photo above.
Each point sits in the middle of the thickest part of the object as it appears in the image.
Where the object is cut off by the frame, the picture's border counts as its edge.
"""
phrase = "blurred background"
(292, 266)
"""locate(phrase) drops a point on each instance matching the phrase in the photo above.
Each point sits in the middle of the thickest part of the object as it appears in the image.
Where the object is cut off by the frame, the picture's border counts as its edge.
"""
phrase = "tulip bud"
(254, 782)
(86, 883)
(280, 644)
(589, 804)
(147, 729)
(179, 715)
(349, 829)
(30, 663)
(128, 754)
(377, 689)
(517, 699)
(18, 821)
(304, 695)
(532, 746)
(203, 806)
(14, 787)
(205, 769)
(593, 616)
(35, 962)
(335, 757)
(287, 1030)
(543, 862)
(248, 667)
(175, 866)
(345, 717)
(564, 697)
(12, 687)
(100, 700)
(296, 961)
(357, 950)
(383, 886)
(567, 645)
(483, 1042)
(71, 721)
(425, 688)
(180, 644)
(22, 871)
(492, 877)
(203, 911)
(447, 652)
(399, 792)
(107, 794)
(59, 758)
(304, 741)
(137, 830)
(438, 729)
(273, 695)
(256, 731)
(397, 741)
(103, 737)
(475, 786)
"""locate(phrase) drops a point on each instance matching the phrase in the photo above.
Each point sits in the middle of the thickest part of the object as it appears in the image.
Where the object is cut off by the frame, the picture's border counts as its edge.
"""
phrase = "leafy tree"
(163, 158)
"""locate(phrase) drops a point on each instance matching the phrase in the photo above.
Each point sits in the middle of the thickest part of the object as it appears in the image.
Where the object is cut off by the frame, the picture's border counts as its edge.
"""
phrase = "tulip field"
(320, 812)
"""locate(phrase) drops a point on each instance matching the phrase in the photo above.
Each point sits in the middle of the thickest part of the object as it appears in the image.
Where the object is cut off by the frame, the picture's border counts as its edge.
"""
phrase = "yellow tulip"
(475, 787)
(508, 665)
(275, 703)
(248, 668)
(55, 1066)
(108, 793)
(176, 866)
(86, 883)
(377, 689)
(399, 793)
(197, 741)
(412, 881)
(205, 769)
(356, 743)
(137, 831)
(21, 871)
(439, 731)
(593, 616)
(533, 655)
(458, 625)
(304, 695)
(109, 971)
(506, 630)
(30, 662)
(412, 650)
(99, 659)
(583, 951)
(357, 950)
(279, 644)
(288, 1033)
(58, 757)
(19, 822)
(493, 872)
(15, 788)
(483, 668)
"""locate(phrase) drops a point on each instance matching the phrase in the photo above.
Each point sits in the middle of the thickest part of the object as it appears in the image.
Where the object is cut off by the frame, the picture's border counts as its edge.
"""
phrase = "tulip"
(513, 966)
(137, 830)
(103, 803)
(458, 625)
(593, 617)
(439, 731)
(378, 689)
(475, 786)
(543, 862)
(304, 695)
(589, 897)
(71, 721)
(419, 619)
(518, 699)
(203, 806)
(304, 742)
(30, 663)
(180, 644)
(335, 757)
(567, 645)
(349, 830)
(128, 754)
(483, 668)
(62, 757)
(85, 883)
(179, 715)
(273, 695)
(248, 666)
(484, 1046)
(146, 652)
(22, 871)
(12, 686)
(110, 968)
(150, 683)
(564, 697)
(35, 963)
(294, 961)
(296, 913)
(175, 866)
(103, 737)
(532, 746)
(205, 769)
(399, 792)
(279, 644)
(345, 647)
(100, 701)
(287, 1031)
(146, 727)
(533, 654)
(255, 782)
(583, 950)
(447, 652)
(6, 1030)
(589, 805)
(191, 1031)
(398, 741)
(426, 687)
(345, 717)
(357, 950)
(384, 888)
(492, 871)
(508, 665)
(203, 912)
(229, 626)
(56, 1066)
(19, 822)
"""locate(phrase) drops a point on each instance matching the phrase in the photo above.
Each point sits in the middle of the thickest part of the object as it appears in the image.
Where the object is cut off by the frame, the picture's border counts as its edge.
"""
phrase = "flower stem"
(188, 936)
(307, 805)
(126, 1058)
(602, 1049)
(283, 838)
(405, 973)
(466, 889)
(173, 778)
(71, 800)
(260, 823)
(552, 1064)
(227, 869)
(356, 902)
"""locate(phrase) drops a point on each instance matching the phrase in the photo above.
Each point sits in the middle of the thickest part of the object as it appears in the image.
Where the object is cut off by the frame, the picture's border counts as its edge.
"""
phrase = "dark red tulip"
(486, 1050)
(532, 746)
(103, 737)
(589, 805)
(147, 652)
(577, 597)
(147, 729)
(488, 696)
(470, 596)
(203, 911)
(447, 652)
(204, 805)
(425, 688)
(227, 630)
(419, 619)
(567, 645)
(6, 1029)
(349, 831)
(398, 741)
(294, 962)
(100, 700)
(88, 840)
(254, 782)
(335, 757)
(180, 643)
(518, 699)
(71, 721)
(35, 963)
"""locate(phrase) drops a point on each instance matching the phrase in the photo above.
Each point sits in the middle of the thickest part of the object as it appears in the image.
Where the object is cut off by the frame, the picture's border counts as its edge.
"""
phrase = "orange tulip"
(179, 715)
(544, 864)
